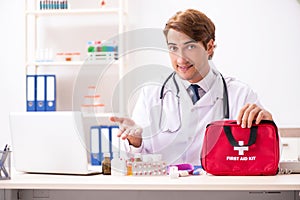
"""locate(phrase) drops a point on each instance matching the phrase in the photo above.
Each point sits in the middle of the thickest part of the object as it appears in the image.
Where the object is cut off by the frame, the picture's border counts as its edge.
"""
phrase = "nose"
(181, 59)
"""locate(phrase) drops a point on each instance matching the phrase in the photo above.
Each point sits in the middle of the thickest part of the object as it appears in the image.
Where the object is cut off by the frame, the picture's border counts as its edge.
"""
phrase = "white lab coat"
(184, 145)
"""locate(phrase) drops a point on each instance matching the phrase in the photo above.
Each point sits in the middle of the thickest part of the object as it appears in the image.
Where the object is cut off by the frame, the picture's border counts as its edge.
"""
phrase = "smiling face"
(189, 57)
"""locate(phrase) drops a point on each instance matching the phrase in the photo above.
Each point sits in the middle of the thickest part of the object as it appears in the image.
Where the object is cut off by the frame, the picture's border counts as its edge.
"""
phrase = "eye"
(191, 46)
(172, 48)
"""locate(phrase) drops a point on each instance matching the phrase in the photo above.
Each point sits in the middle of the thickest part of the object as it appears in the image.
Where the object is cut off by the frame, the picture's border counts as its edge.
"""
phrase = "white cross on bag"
(241, 149)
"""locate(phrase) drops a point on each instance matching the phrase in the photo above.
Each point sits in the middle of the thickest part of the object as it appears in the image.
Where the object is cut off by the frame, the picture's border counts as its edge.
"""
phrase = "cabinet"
(56, 42)
(290, 143)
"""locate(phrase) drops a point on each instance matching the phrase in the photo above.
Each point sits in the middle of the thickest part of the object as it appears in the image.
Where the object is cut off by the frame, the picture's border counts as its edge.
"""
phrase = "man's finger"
(241, 114)
(125, 134)
(116, 119)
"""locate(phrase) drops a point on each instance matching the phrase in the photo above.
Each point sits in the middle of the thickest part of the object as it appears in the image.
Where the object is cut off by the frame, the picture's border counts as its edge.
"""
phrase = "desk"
(204, 183)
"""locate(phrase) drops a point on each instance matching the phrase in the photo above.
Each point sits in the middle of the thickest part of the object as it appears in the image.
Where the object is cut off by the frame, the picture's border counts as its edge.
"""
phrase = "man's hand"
(251, 112)
(129, 130)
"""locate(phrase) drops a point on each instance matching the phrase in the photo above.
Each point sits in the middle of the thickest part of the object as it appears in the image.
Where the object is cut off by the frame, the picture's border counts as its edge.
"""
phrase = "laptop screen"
(49, 142)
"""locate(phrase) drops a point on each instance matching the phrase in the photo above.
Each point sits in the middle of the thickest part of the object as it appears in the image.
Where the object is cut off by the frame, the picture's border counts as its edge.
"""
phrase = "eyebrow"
(188, 42)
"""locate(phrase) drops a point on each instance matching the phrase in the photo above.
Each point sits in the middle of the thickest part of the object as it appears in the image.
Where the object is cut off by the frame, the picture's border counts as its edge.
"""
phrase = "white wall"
(12, 76)
(257, 42)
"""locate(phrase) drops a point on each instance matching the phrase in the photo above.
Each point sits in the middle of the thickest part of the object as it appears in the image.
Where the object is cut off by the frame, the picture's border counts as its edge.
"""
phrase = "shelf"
(106, 115)
(74, 12)
(91, 20)
(73, 63)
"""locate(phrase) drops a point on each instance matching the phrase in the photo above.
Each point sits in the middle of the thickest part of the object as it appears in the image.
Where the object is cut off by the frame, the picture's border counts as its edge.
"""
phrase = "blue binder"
(95, 145)
(105, 141)
(40, 92)
(30, 92)
(50, 93)
(115, 141)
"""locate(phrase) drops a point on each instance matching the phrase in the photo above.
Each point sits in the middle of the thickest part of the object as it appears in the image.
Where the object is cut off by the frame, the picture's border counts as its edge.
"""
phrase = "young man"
(174, 125)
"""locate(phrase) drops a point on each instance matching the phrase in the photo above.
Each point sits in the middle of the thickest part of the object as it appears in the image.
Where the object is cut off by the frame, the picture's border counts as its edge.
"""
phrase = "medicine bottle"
(118, 165)
(129, 167)
(106, 164)
(137, 157)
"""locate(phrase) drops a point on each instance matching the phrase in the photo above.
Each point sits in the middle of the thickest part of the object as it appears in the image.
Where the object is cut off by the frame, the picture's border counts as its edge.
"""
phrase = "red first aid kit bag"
(229, 149)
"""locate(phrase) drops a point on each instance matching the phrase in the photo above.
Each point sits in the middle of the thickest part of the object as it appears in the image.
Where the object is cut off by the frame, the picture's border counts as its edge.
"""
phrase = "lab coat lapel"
(211, 96)
(209, 99)
(185, 99)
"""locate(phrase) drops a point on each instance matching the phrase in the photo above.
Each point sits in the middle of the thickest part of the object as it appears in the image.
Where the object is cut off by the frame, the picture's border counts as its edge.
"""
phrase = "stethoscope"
(162, 96)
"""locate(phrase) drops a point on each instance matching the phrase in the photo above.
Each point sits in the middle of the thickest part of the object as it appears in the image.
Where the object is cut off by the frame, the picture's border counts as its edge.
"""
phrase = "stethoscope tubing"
(172, 75)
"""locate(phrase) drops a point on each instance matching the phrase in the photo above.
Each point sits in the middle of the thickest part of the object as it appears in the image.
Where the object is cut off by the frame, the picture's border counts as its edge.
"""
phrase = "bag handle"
(233, 142)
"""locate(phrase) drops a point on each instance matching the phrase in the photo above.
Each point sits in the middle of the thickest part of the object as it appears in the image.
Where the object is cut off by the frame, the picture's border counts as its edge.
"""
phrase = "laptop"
(49, 142)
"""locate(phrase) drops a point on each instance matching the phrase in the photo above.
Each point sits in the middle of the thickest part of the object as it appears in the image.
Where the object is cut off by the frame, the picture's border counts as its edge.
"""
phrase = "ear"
(210, 48)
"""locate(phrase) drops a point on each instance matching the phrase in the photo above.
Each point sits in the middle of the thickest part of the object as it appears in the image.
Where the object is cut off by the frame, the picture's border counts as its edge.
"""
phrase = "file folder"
(115, 140)
(50, 93)
(95, 145)
(31, 93)
(40, 92)
(105, 141)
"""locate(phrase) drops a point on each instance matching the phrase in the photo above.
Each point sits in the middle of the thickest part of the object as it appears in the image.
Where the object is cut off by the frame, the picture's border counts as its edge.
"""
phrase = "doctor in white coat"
(165, 119)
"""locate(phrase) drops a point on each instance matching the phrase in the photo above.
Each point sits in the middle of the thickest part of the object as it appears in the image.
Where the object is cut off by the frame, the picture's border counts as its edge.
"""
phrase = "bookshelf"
(69, 30)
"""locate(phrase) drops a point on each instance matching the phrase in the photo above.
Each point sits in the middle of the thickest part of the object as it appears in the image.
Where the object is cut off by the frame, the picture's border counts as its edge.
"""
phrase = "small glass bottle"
(129, 167)
(106, 164)
(137, 157)
(118, 165)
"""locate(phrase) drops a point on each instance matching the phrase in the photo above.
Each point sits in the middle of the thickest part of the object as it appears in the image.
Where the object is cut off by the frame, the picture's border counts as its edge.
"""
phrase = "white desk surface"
(101, 182)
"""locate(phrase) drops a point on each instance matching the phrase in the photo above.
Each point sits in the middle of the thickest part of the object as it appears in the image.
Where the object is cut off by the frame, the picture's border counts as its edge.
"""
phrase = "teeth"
(184, 66)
